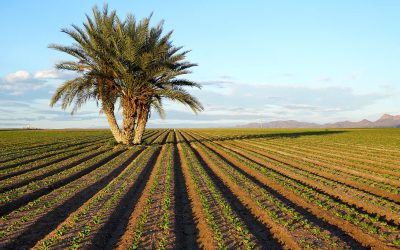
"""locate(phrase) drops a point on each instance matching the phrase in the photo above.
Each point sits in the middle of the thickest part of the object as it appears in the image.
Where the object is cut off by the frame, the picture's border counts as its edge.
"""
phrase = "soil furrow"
(311, 212)
(51, 172)
(60, 151)
(50, 220)
(334, 194)
(107, 237)
(185, 229)
(23, 200)
(262, 234)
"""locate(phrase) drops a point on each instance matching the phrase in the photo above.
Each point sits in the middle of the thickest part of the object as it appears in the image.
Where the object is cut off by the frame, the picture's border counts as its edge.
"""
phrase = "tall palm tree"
(129, 62)
(95, 78)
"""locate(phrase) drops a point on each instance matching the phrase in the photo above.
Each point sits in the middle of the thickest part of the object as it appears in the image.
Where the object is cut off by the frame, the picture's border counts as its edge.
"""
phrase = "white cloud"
(20, 75)
(22, 81)
(47, 74)
(37, 113)
(53, 74)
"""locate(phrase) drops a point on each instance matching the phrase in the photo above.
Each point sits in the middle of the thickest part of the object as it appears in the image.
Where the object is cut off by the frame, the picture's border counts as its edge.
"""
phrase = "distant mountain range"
(386, 121)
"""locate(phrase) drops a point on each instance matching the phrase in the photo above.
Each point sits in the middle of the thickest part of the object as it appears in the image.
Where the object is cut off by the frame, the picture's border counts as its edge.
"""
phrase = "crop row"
(210, 206)
(386, 191)
(366, 172)
(34, 164)
(44, 158)
(354, 196)
(12, 195)
(155, 136)
(46, 139)
(358, 198)
(60, 199)
(373, 161)
(92, 215)
(290, 226)
(144, 226)
(376, 188)
(19, 157)
(371, 224)
(41, 171)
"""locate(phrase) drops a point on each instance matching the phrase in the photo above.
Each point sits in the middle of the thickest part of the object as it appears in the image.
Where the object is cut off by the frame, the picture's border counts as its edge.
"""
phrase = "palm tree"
(95, 77)
(127, 62)
(152, 65)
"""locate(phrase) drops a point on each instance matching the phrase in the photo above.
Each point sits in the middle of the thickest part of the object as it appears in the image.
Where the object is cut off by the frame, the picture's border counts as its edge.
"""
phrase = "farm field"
(201, 188)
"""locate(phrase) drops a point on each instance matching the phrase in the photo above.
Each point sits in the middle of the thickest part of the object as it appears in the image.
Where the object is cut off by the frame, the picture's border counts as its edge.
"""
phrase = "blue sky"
(316, 61)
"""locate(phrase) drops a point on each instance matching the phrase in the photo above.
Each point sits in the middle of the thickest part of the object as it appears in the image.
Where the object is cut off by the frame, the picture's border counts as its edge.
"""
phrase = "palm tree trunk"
(128, 122)
(112, 122)
(141, 124)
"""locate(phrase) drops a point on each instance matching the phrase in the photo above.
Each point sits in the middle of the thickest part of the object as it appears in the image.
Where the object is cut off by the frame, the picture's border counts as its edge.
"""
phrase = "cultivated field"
(207, 188)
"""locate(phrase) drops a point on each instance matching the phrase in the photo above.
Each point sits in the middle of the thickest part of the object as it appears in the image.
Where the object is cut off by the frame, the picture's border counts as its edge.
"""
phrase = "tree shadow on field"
(263, 136)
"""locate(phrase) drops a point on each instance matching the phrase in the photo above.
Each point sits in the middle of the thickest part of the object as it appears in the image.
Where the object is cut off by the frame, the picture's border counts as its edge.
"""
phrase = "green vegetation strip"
(96, 210)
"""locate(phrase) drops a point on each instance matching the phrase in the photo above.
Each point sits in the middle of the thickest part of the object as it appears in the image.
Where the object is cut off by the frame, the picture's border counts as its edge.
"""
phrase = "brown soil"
(345, 170)
(44, 223)
(353, 231)
(363, 187)
(347, 198)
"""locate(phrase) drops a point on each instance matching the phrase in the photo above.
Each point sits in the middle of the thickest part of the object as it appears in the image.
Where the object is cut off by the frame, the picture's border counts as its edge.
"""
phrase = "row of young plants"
(288, 225)
(199, 198)
(47, 152)
(382, 154)
(19, 221)
(161, 138)
(19, 145)
(379, 189)
(386, 191)
(363, 184)
(367, 172)
(9, 152)
(384, 207)
(148, 133)
(39, 171)
(369, 223)
(147, 213)
(35, 163)
(149, 140)
(92, 215)
(205, 233)
(334, 183)
(342, 143)
(11, 195)
(168, 199)
(355, 197)
(370, 161)
(219, 214)
(171, 137)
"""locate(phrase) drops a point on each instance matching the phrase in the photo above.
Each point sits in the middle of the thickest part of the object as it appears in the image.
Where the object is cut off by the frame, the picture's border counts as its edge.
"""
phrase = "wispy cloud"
(227, 102)
(22, 81)
(19, 82)
(54, 74)
(220, 83)
(274, 102)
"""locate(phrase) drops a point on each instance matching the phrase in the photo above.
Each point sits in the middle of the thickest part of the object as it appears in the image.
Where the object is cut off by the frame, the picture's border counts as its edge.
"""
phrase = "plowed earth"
(201, 188)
